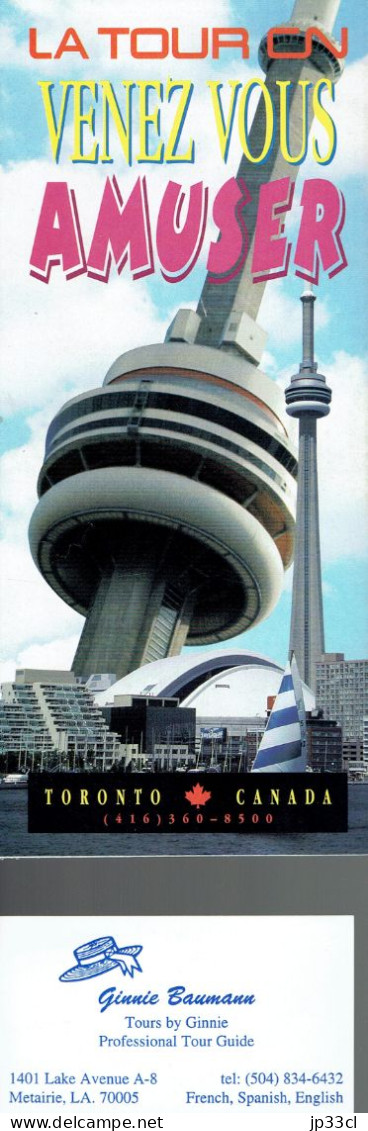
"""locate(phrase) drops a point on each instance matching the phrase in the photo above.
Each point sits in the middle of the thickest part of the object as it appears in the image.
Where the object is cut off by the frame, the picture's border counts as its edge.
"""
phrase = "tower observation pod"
(307, 398)
(166, 508)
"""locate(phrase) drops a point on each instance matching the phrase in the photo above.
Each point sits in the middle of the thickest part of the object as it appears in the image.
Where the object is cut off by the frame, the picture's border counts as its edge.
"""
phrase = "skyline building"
(324, 744)
(342, 693)
(158, 728)
(167, 498)
(49, 719)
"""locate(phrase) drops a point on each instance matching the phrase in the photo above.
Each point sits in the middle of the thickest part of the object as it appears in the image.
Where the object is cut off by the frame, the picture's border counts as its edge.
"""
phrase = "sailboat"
(283, 747)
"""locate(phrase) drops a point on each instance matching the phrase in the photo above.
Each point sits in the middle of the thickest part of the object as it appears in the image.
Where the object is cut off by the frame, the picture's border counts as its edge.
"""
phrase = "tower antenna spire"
(308, 299)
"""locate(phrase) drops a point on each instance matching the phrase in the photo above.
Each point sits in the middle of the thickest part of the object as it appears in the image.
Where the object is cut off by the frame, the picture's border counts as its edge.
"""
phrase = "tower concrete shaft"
(307, 398)
(136, 612)
(307, 629)
(221, 306)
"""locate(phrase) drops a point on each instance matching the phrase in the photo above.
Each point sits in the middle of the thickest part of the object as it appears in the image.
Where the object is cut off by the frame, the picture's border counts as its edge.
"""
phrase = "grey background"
(204, 886)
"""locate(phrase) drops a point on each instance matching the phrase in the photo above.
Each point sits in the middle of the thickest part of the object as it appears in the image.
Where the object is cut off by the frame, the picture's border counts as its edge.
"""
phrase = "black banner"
(187, 803)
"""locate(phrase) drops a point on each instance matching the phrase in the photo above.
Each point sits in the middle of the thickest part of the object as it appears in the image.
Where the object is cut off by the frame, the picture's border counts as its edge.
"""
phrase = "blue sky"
(60, 339)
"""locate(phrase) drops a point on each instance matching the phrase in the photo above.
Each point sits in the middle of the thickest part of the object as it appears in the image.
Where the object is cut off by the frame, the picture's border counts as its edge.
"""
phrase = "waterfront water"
(16, 841)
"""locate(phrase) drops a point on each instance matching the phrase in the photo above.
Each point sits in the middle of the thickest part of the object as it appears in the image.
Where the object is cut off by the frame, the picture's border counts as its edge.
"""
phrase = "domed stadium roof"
(217, 683)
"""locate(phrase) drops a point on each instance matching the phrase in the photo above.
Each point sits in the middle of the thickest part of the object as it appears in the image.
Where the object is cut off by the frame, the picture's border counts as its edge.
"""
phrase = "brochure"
(183, 584)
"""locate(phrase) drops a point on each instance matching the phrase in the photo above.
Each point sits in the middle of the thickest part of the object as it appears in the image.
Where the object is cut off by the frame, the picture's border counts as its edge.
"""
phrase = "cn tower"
(166, 508)
(307, 398)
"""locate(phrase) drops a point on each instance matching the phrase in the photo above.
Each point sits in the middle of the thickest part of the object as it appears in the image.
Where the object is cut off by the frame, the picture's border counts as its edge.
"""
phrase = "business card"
(143, 1016)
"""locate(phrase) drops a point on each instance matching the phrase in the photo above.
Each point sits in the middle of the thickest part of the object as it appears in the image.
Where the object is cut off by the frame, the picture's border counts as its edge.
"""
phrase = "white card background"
(300, 970)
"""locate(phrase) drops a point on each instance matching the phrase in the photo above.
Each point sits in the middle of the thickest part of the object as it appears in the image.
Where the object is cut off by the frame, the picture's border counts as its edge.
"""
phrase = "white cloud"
(61, 337)
(62, 13)
(18, 472)
(57, 654)
(281, 316)
(30, 611)
(52, 19)
(350, 115)
(9, 46)
(269, 364)
(349, 112)
(288, 580)
(342, 458)
(329, 590)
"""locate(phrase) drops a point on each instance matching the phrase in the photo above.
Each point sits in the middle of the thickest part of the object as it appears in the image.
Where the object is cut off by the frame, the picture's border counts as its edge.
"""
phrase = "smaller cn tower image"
(307, 398)
(167, 497)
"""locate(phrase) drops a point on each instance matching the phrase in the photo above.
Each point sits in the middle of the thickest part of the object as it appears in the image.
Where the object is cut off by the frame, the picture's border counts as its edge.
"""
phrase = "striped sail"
(283, 748)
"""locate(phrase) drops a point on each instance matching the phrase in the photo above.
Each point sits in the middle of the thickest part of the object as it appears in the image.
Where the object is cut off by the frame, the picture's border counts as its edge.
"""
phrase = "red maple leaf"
(198, 796)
